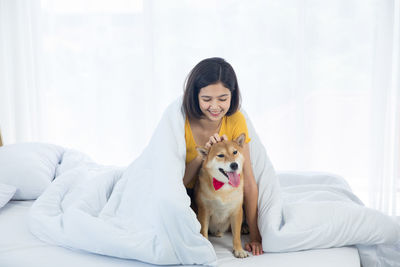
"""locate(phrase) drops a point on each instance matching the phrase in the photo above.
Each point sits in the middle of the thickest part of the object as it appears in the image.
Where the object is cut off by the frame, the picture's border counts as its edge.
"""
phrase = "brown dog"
(219, 191)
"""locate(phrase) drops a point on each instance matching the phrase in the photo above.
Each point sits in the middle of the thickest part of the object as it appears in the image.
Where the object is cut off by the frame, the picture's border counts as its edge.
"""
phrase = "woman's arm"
(250, 204)
(191, 170)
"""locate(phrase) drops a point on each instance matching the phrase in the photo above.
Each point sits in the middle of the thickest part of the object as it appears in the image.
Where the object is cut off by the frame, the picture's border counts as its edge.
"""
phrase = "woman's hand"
(255, 247)
(215, 139)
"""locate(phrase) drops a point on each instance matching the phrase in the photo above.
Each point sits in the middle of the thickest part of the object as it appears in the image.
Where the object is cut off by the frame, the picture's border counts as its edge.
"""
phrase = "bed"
(18, 248)
(67, 210)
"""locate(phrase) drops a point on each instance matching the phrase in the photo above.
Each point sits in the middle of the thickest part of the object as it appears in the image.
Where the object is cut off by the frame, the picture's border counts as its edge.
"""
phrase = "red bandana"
(217, 184)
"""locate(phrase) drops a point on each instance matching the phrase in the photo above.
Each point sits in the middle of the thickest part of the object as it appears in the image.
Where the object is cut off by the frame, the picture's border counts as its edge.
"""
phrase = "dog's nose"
(234, 166)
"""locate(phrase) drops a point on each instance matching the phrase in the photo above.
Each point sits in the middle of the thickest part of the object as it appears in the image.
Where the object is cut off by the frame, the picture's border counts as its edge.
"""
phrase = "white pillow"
(30, 167)
(6, 193)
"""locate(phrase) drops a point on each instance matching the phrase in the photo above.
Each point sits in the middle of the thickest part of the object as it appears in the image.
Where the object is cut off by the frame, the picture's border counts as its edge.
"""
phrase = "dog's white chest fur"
(222, 210)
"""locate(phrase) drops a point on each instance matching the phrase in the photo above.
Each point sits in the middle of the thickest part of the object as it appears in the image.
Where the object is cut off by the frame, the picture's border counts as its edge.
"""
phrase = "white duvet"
(142, 212)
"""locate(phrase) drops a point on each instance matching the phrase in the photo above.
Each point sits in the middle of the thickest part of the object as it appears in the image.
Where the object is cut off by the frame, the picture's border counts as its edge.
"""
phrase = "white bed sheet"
(18, 247)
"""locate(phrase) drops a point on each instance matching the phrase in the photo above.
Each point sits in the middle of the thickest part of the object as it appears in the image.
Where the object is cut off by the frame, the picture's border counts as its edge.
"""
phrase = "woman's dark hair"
(210, 71)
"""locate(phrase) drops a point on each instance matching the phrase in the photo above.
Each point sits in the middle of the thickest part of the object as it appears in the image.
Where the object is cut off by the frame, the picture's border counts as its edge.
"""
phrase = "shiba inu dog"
(219, 191)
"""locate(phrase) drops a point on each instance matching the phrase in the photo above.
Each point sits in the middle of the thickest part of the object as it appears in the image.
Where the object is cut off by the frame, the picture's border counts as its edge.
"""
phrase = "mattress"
(18, 247)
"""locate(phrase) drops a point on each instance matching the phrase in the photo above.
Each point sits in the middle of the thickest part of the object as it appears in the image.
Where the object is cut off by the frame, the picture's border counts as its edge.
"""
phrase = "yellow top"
(232, 126)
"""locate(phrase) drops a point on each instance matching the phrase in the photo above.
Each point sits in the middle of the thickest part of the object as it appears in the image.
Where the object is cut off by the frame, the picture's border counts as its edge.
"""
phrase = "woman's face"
(214, 101)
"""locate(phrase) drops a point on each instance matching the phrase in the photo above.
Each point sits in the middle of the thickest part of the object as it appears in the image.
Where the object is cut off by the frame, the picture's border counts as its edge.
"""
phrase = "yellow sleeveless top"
(232, 126)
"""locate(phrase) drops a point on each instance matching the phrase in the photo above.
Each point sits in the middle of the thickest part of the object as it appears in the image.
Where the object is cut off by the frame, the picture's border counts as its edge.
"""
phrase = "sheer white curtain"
(20, 80)
(384, 181)
(319, 79)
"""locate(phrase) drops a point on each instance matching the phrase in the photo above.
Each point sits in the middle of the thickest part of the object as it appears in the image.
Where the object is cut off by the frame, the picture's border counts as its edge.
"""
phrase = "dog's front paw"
(240, 253)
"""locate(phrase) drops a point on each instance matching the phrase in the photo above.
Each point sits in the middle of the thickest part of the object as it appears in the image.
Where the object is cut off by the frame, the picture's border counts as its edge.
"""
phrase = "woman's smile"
(215, 113)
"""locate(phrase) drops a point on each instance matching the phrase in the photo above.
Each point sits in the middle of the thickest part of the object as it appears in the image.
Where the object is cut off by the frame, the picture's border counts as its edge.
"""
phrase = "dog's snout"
(234, 166)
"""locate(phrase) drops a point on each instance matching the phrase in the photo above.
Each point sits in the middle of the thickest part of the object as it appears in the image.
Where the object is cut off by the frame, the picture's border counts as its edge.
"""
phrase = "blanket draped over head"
(143, 212)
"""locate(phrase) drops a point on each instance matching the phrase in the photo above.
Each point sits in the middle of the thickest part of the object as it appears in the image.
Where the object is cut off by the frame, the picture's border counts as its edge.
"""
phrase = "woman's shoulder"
(237, 117)
(237, 123)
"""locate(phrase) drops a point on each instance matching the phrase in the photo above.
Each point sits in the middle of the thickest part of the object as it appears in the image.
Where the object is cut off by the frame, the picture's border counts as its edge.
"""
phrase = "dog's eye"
(220, 155)
(235, 152)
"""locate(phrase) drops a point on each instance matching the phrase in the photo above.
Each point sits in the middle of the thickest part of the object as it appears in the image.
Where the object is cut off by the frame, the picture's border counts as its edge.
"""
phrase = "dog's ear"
(240, 139)
(203, 152)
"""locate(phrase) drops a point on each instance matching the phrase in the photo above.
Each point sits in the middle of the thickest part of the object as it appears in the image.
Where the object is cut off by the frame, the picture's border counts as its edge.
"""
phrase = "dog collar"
(217, 184)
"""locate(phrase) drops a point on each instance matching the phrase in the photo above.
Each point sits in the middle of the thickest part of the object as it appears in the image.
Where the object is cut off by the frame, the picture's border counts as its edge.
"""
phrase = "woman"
(211, 102)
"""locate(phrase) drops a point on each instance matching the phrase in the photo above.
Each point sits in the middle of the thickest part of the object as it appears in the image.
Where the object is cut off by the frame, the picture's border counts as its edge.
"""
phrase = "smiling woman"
(211, 102)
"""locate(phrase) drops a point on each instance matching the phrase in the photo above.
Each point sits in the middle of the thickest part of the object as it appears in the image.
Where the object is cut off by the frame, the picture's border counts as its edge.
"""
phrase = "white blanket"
(142, 212)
